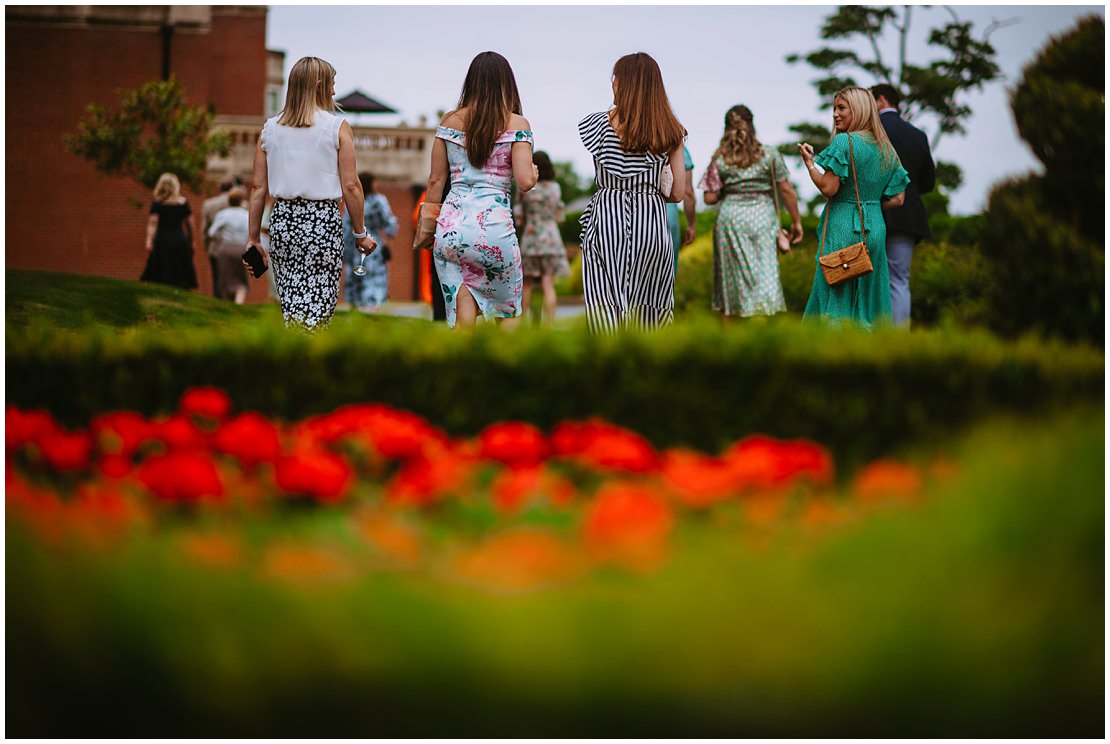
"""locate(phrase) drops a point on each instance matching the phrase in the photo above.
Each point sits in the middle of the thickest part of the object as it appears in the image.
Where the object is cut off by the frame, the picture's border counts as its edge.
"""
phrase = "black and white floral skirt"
(306, 256)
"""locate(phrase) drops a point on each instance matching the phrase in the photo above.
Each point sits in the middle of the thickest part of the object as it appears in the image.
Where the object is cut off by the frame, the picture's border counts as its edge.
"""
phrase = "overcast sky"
(414, 58)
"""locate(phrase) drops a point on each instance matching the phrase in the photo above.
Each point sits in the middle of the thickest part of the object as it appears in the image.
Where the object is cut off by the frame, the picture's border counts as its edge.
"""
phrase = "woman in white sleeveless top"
(306, 161)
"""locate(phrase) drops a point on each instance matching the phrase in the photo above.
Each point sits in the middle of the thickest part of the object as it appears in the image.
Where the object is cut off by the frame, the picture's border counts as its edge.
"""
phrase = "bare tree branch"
(904, 29)
(996, 25)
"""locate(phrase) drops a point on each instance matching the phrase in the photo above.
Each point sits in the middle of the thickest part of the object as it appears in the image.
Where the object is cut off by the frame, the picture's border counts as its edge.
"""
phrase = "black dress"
(171, 259)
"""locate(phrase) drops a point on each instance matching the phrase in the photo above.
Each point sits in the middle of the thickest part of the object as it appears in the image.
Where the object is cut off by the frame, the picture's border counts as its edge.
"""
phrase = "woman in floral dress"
(543, 253)
(741, 175)
(367, 292)
(485, 144)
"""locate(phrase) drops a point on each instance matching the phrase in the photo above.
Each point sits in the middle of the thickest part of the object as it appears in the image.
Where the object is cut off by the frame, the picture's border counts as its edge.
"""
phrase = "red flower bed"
(611, 496)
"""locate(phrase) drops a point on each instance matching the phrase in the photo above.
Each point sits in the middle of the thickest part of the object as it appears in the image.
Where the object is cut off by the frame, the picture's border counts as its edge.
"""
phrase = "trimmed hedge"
(695, 384)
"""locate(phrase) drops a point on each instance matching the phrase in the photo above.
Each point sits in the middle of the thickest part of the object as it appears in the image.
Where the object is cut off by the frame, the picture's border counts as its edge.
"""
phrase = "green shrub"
(1043, 235)
(694, 384)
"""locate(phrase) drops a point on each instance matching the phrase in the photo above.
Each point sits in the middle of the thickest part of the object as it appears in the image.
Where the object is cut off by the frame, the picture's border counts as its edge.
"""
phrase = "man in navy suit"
(907, 224)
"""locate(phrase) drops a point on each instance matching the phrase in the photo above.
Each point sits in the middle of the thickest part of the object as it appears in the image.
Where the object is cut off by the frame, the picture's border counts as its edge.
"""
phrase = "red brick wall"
(61, 214)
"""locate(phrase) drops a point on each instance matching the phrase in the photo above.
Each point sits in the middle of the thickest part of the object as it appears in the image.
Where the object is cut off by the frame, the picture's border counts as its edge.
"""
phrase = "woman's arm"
(151, 228)
(678, 170)
(190, 227)
(438, 175)
(353, 197)
(895, 201)
(691, 209)
(828, 183)
(260, 189)
(790, 198)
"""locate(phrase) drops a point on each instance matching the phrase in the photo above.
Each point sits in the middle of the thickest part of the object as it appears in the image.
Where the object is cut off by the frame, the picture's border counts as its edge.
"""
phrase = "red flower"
(514, 487)
(628, 522)
(763, 463)
(65, 451)
(205, 402)
(513, 443)
(393, 434)
(114, 466)
(180, 433)
(314, 472)
(121, 432)
(250, 438)
(182, 476)
(603, 445)
(422, 481)
(26, 427)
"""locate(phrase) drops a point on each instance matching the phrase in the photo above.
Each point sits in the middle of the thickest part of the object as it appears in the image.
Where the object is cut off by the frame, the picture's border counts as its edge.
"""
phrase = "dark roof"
(359, 102)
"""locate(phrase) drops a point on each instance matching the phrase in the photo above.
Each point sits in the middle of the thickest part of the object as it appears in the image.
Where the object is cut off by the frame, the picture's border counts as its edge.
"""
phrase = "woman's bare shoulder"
(516, 121)
(454, 119)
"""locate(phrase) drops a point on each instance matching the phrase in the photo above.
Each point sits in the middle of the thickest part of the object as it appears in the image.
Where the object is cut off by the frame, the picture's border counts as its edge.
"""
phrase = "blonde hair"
(865, 118)
(167, 187)
(739, 148)
(310, 84)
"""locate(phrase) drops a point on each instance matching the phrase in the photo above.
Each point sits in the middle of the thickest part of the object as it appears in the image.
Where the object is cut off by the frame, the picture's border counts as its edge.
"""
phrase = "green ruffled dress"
(866, 299)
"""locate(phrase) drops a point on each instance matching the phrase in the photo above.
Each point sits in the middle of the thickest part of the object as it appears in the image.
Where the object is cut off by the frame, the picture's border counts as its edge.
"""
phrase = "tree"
(932, 91)
(572, 185)
(1043, 234)
(154, 130)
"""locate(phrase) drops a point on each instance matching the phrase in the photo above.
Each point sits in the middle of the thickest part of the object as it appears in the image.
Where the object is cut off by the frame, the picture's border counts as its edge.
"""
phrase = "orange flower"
(250, 438)
(206, 403)
(513, 443)
(394, 538)
(886, 479)
(218, 551)
(302, 563)
(697, 480)
(182, 477)
(518, 560)
(628, 522)
(314, 472)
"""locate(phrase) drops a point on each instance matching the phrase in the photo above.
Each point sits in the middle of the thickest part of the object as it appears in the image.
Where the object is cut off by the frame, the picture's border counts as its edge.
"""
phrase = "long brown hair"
(489, 95)
(310, 83)
(647, 123)
(739, 148)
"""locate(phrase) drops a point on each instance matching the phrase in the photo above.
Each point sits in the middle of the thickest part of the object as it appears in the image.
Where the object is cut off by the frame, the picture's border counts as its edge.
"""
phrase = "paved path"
(422, 310)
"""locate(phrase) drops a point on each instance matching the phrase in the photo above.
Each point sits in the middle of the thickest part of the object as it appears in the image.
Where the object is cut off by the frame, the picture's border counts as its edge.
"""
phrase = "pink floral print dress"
(475, 241)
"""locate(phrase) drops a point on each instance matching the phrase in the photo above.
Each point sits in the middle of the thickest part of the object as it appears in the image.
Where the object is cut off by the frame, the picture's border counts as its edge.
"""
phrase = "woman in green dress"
(741, 176)
(882, 182)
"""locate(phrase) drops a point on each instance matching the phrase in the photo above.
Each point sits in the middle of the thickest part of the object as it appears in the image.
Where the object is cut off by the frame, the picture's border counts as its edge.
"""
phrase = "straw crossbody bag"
(853, 261)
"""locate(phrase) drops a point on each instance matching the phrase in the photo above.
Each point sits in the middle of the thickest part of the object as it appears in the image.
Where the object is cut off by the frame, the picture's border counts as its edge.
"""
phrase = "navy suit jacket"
(912, 147)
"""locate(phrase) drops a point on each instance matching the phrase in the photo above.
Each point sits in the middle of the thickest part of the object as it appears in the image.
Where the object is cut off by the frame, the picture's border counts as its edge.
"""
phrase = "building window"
(273, 100)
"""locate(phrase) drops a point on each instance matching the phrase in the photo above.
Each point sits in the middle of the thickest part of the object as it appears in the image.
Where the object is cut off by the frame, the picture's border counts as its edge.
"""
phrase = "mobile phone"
(254, 257)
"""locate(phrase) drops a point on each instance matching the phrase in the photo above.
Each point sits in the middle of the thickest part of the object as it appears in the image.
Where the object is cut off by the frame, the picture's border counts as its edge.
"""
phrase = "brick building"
(64, 216)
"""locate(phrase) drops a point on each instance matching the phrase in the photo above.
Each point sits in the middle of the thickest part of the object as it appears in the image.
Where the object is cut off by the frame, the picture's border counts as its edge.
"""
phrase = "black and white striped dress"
(627, 253)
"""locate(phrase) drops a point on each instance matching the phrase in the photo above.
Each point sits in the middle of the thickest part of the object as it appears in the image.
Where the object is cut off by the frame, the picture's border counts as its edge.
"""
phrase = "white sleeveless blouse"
(303, 162)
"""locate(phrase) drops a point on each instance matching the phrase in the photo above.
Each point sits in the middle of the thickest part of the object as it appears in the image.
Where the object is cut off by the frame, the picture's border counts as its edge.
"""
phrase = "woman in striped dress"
(627, 253)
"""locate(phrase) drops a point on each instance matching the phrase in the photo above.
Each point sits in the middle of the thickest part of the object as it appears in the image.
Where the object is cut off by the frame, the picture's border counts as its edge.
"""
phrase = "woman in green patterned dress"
(741, 177)
(882, 184)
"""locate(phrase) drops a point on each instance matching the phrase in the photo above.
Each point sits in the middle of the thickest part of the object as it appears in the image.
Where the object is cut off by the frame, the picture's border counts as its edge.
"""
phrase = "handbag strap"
(775, 193)
(859, 204)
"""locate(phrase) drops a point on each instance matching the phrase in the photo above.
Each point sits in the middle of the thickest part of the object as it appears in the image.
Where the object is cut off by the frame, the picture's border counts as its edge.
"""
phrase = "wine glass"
(360, 270)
